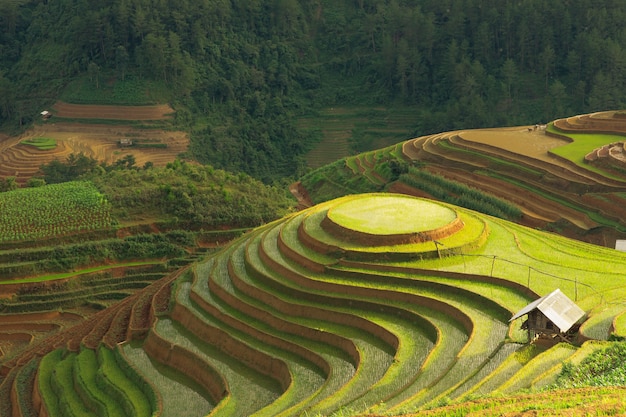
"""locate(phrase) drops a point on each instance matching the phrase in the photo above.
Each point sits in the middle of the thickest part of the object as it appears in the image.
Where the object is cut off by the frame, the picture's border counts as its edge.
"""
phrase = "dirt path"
(298, 191)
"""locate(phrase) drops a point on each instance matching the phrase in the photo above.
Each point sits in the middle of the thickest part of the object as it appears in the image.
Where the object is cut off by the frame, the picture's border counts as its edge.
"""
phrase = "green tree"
(7, 98)
(94, 73)
(121, 61)
(509, 76)
(74, 167)
(556, 101)
(127, 162)
(8, 184)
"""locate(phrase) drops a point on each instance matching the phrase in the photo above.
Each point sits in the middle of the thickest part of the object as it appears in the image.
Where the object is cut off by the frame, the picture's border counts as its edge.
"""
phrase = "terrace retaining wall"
(339, 295)
(261, 362)
(369, 239)
(522, 289)
(187, 363)
(265, 317)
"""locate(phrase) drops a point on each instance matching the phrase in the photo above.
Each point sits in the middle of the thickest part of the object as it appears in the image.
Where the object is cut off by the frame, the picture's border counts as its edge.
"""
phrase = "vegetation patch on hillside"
(54, 210)
(605, 367)
(43, 144)
(106, 87)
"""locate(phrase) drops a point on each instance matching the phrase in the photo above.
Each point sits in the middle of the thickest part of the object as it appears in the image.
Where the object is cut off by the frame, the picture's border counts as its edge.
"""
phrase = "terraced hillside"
(105, 133)
(549, 174)
(348, 130)
(374, 303)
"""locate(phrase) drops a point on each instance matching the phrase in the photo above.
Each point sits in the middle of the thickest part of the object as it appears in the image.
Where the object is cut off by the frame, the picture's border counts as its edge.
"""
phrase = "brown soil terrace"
(99, 141)
(528, 148)
(89, 111)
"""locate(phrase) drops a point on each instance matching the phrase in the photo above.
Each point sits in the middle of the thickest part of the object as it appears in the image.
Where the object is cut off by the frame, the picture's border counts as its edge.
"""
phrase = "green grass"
(619, 324)
(581, 144)
(70, 402)
(249, 391)
(306, 377)
(536, 366)
(475, 351)
(544, 261)
(414, 346)
(428, 355)
(504, 371)
(43, 144)
(470, 235)
(46, 382)
(596, 402)
(88, 384)
(119, 386)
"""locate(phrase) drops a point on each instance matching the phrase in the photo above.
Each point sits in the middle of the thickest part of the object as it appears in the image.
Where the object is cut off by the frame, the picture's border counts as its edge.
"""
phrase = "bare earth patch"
(90, 111)
(533, 143)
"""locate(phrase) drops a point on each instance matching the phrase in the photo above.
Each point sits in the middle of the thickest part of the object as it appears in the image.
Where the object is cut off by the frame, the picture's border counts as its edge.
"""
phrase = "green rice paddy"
(385, 214)
(43, 144)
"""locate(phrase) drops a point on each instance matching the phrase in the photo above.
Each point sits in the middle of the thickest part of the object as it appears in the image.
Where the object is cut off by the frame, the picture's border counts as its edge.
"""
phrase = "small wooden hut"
(554, 316)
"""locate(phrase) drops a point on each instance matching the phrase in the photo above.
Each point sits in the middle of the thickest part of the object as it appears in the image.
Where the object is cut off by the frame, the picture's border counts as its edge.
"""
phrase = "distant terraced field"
(320, 313)
(547, 172)
(347, 130)
(82, 128)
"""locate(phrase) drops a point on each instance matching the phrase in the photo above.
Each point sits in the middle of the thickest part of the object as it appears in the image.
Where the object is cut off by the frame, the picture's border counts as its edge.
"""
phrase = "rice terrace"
(390, 293)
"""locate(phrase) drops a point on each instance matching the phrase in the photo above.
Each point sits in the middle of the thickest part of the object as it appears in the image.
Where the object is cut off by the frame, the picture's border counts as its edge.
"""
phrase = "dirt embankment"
(90, 111)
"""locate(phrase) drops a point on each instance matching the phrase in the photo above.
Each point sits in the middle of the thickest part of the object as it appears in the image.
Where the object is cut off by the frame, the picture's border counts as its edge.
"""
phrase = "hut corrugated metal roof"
(557, 307)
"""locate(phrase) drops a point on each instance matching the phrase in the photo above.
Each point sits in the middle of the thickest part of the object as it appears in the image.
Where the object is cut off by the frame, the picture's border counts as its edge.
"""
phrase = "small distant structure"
(125, 142)
(620, 245)
(45, 115)
(553, 316)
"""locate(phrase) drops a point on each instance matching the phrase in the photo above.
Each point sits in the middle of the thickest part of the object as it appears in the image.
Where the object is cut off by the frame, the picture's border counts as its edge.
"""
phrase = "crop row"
(460, 194)
(116, 324)
(58, 209)
(90, 383)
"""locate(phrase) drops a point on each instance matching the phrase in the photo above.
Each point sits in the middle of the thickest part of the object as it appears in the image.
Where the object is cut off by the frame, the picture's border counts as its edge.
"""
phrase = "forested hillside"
(240, 72)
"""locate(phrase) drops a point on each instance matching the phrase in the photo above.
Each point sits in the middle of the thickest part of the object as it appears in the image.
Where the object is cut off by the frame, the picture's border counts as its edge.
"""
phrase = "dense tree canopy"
(240, 71)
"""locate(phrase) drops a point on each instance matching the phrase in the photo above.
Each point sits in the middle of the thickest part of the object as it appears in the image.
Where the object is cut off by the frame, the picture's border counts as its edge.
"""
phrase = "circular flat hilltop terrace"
(390, 215)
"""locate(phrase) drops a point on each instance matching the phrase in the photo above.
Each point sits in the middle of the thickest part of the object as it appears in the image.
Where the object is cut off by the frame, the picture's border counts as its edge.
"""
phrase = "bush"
(605, 367)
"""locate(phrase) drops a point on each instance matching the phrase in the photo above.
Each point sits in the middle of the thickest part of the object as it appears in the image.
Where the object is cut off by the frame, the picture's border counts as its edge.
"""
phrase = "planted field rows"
(345, 131)
(56, 210)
